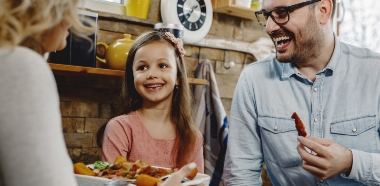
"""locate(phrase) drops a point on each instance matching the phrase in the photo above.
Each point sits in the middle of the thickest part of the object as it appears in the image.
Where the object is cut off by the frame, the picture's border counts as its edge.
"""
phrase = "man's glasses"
(280, 15)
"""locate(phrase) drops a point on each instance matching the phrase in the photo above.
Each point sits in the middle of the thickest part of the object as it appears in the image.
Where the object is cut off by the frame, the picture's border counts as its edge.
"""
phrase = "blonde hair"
(24, 22)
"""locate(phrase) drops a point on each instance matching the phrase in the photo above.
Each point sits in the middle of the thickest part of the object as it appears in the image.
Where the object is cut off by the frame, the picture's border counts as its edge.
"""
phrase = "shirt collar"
(288, 69)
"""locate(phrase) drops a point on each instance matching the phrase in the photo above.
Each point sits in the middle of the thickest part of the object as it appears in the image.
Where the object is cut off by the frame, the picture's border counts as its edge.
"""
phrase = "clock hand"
(192, 10)
(194, 7)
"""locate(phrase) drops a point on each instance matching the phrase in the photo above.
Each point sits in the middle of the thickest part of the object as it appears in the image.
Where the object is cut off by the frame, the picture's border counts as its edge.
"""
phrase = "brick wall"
(88, 101)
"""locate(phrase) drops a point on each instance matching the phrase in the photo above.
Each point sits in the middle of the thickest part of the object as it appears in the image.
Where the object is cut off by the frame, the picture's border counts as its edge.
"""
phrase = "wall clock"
(194, 15)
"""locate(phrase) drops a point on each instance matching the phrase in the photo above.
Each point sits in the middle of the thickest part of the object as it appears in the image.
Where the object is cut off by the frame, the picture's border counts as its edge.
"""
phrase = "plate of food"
(99, 173)
(84, 180)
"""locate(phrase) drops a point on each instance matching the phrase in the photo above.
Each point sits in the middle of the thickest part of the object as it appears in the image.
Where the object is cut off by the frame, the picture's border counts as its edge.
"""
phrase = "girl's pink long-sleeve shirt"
(126, 135)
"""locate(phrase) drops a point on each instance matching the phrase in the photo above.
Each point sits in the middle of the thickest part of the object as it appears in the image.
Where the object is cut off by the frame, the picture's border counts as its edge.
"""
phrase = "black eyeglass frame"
(288, 9)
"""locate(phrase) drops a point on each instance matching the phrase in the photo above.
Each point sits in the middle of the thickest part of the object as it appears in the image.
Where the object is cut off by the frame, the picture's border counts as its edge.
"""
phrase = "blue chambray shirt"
(343, 105)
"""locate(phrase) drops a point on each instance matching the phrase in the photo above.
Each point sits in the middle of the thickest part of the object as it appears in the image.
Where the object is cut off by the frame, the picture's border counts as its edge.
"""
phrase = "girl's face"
(155, 72)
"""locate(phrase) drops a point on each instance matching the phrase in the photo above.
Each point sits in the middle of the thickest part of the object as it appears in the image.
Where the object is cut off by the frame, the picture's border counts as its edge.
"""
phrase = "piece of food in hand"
(100, 165)
(192, 174)
(81, 168)
(146, 180)
(299, 125)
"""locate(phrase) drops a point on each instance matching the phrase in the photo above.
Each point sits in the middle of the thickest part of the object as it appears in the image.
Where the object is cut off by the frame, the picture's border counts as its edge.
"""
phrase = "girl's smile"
(154, 87)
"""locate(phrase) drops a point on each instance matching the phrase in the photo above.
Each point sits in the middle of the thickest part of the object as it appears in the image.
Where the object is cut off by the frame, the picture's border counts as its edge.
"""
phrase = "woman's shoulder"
(19, 54)
(22, 60)
(18, 50)
(24, 69)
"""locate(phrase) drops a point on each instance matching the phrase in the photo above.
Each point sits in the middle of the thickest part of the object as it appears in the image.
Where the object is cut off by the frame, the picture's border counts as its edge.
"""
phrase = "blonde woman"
(32, 147)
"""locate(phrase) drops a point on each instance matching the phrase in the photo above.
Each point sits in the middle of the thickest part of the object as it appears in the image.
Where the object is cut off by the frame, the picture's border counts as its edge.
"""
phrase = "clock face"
(194, 15)
(191, 13)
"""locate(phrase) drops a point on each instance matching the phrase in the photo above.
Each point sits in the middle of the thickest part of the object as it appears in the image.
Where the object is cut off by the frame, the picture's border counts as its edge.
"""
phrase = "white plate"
(84, 180)
(198, 179)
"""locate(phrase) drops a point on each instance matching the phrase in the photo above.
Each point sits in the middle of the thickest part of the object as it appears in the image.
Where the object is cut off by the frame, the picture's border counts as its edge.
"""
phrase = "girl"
(158, 126)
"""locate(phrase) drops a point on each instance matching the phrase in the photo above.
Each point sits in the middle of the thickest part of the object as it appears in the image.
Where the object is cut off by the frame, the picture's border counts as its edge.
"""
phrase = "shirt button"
(354, 130)
(321, 181)
(275, 128)
(315, 120)
(315, 89)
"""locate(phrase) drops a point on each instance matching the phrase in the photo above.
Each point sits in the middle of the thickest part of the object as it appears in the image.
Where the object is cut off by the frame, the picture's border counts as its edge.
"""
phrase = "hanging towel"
(211, 119)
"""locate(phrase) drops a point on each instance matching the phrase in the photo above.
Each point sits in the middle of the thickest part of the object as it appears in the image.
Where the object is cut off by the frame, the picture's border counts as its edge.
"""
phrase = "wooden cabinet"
(228, 7)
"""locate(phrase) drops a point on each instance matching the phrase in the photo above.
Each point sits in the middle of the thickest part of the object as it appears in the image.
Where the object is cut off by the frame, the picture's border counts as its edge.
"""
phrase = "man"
(334, 88)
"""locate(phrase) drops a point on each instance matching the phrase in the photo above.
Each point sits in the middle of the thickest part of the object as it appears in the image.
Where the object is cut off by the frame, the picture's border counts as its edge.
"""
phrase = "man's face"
(300, 39)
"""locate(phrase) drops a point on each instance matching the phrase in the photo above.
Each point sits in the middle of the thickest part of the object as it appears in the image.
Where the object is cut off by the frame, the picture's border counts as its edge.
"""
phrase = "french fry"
(81, 168)
(299, 125)
(146, 180)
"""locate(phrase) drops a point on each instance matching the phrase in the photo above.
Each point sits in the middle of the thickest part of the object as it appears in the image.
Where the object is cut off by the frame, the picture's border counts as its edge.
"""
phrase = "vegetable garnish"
(101, 165)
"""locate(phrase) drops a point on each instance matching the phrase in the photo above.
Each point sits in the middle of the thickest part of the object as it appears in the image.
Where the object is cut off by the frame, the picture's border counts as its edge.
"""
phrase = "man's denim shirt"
(343, 105)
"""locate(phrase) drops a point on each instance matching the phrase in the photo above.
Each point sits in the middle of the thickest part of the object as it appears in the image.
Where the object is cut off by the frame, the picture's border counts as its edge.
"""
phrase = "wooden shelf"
(106, 72)
(85, 70)
(227, 7)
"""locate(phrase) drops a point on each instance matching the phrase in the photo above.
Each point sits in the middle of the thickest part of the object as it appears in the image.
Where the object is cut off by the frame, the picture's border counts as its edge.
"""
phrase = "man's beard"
(307, 44)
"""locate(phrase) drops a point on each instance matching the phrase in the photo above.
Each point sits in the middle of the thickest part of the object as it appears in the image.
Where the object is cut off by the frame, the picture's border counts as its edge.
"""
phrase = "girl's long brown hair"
(181, 111)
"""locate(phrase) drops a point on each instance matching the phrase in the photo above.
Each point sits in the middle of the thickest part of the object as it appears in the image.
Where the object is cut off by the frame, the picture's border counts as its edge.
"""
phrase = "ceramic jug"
(116, 53)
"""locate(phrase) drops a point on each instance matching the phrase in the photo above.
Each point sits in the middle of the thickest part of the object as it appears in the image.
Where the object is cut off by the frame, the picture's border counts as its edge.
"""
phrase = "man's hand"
(329, 160)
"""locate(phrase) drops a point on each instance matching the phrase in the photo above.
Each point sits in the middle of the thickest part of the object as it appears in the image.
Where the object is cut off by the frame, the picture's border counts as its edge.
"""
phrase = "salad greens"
(101, 165)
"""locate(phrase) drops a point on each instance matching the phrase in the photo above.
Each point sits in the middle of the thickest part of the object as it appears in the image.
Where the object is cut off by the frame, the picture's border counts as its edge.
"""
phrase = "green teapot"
(116, 53)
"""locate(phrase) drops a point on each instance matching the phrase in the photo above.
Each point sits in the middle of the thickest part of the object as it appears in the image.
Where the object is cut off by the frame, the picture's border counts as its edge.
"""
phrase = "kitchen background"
(89, 101)
(360, 25)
